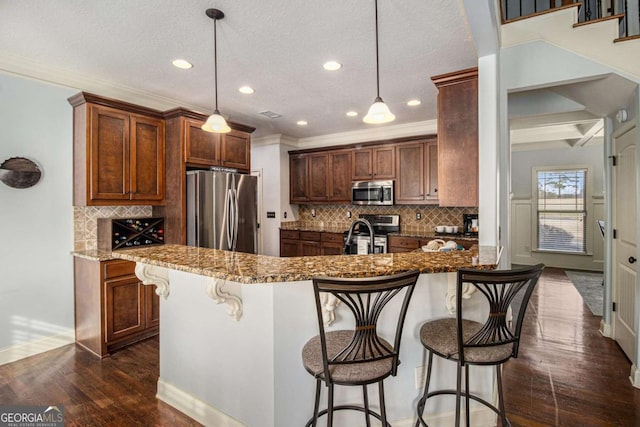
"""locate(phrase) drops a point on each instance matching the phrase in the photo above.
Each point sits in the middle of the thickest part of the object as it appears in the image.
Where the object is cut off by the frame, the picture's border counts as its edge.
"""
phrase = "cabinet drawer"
(332, 237)
(118, 268)
(404, 242)
(313, 236)
(290, 234)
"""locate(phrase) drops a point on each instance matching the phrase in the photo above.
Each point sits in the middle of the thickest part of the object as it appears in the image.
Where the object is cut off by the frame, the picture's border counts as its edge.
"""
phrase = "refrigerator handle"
(229, 217)
(236, 216)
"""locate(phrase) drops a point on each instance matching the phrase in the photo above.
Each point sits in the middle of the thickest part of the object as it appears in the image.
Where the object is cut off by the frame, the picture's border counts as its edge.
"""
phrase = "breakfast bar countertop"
(250, 268)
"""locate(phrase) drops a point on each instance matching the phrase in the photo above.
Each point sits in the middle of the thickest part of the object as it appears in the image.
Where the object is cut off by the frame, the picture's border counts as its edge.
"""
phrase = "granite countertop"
(250, 268)
(94, 255)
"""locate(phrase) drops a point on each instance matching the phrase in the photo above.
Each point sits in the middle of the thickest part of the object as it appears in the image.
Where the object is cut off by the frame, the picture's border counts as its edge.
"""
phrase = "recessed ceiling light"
(246, 89)
(182, 63)
(302, 123)
(352, 113)
(414, 102)
(332, 65)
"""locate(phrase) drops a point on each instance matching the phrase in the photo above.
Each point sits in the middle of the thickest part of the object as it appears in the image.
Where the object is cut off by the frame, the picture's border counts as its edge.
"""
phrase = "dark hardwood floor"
(567, 374)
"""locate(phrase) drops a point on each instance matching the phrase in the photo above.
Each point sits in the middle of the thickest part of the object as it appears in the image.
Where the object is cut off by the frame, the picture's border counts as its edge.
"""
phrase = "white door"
(624, 264)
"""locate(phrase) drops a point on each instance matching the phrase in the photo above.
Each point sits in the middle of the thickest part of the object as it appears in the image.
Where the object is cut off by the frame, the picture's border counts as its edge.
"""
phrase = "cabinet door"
(288, 247)
(411, 173)
(152, 307)
(147, 159)
(458, 143)
(308, 248)
(235, 149)
(384, 162)
(298, 178)
(362, 164)
(431, 162)
(124, 307)
(340, 176)
(201, 148)
(109, 156)
(318, 177)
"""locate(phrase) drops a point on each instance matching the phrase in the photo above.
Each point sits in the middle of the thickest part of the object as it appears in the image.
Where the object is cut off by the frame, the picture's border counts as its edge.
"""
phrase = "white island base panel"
(225, 372)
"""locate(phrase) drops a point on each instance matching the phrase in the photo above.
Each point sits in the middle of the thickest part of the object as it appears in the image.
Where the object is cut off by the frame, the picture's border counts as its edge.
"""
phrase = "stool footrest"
(423, 400)
(347, 407)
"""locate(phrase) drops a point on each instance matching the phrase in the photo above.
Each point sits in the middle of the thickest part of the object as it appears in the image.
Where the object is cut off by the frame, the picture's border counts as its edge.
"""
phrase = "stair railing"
(589, 10)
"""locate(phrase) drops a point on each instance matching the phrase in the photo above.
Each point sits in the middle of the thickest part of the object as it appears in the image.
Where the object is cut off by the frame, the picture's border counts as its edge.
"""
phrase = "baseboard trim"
(635, 376)
(194, 407)
(31, 348)
(605, 329)
(481, 416)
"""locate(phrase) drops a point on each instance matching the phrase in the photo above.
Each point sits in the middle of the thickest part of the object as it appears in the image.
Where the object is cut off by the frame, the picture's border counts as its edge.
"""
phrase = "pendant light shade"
(215, 123)
(378, 112)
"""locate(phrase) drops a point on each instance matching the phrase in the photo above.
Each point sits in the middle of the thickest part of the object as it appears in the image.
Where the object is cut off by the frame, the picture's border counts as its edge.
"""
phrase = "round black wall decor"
(19, 172)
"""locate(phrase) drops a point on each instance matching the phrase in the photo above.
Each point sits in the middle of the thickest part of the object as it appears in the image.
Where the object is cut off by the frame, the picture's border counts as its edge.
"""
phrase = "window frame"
(588, 184)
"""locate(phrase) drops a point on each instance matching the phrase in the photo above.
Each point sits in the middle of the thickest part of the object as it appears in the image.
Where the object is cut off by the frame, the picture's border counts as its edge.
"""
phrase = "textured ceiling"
(125, 48)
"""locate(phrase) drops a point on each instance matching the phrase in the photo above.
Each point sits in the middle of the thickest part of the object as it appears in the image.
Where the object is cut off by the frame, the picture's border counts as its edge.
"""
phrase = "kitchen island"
(239, 364)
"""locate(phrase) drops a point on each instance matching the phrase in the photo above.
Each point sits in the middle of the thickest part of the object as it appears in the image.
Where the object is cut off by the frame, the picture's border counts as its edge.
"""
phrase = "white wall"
(36, 230)
(272, 158)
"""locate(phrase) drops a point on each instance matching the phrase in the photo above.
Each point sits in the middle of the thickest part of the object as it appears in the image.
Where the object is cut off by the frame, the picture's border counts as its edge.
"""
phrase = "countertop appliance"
(372, 193)
(222, 210)
(382, 226)
(470, 224)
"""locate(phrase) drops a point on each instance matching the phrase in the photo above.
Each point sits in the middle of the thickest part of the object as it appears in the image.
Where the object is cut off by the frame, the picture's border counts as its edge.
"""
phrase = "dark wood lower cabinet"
(309, 243)
(112, 307)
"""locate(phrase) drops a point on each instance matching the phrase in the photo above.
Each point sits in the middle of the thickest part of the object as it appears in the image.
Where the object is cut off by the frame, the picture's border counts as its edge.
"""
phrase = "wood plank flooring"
(566, 375)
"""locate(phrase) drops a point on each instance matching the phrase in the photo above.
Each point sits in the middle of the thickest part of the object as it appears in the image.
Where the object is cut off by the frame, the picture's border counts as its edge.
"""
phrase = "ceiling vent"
(270, 114)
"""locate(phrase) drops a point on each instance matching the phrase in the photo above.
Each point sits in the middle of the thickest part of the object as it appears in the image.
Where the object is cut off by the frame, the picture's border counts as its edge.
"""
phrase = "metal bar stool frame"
(346, 353)
(495, 336)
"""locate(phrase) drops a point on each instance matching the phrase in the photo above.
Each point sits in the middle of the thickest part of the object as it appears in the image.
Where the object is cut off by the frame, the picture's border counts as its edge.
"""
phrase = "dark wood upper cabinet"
(299, 178)
(340, 176)
(415, 182)
(374, 163)
(201, 148)
(235, 150)
(319, 177)
(458, 138)
(118, 151)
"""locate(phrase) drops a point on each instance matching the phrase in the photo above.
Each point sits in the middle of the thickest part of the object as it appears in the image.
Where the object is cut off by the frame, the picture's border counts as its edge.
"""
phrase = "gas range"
(382, 226)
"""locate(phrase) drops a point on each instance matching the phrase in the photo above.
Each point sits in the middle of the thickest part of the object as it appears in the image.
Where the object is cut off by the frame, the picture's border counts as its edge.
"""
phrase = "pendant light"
(378, 112)
(215, 123)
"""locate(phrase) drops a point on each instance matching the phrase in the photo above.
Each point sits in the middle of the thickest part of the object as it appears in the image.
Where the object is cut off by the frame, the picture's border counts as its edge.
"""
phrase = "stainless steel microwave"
(372, 193)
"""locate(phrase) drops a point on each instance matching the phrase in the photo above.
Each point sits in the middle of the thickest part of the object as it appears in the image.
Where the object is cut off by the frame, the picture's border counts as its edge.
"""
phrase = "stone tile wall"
(85, 222)
(335, 216)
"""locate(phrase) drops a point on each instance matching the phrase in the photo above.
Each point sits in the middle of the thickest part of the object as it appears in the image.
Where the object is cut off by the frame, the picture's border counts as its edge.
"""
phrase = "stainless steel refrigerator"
(222, 210)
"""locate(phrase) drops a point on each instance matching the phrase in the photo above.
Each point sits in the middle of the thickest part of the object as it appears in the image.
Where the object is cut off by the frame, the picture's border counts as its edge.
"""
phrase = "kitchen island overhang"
(241, 366)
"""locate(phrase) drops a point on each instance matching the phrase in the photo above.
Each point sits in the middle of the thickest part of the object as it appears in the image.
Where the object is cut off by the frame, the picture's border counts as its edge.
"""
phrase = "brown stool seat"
(365, 372)
(440, 336)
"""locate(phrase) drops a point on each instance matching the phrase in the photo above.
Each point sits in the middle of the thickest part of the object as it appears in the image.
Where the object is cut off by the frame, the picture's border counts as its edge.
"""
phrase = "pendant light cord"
(377, 61)
(215, 60)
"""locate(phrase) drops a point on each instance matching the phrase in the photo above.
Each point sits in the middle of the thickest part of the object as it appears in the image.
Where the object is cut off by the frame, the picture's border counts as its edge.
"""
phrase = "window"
(561, 210)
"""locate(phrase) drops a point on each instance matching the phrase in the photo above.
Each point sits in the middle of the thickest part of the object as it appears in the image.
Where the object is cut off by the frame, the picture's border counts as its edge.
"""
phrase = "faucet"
(351, 228)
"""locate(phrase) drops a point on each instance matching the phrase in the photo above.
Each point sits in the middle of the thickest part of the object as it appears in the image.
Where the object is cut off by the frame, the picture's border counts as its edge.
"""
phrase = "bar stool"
(472, 343)
(358, 356)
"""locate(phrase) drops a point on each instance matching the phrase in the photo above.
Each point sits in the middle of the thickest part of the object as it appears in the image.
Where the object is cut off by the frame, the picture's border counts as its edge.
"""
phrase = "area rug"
(590, 287)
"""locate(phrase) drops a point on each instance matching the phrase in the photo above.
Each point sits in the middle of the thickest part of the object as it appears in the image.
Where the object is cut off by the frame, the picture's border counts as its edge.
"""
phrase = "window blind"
(562, 210)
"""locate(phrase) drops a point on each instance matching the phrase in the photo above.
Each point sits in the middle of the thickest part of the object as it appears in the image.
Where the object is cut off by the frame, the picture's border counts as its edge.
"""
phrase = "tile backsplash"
(85, 222)
(335, 216)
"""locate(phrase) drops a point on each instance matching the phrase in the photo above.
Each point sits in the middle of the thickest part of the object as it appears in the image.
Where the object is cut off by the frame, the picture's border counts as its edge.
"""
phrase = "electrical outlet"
(313, 213)
(418, 216)
(348, 214)
(420, 376)
(285, 214)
